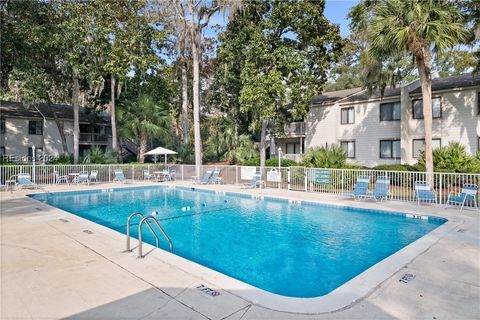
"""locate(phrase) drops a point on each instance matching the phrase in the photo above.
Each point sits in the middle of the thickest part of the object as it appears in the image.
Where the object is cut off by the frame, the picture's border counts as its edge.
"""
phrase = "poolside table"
(162, 175)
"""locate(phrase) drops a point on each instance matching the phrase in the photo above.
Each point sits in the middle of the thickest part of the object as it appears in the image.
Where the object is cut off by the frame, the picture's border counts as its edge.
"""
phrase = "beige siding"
(367, 131)
(459, 123)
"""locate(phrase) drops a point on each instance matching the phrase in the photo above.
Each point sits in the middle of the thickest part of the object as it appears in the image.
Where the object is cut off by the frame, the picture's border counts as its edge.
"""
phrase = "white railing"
(315, 180)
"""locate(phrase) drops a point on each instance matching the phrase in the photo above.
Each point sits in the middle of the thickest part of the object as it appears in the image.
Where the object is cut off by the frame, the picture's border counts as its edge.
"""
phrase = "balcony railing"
(93, 137)
(294, 129)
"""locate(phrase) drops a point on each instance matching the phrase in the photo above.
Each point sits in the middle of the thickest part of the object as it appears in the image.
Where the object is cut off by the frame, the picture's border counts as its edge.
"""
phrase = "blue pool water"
(297, 250)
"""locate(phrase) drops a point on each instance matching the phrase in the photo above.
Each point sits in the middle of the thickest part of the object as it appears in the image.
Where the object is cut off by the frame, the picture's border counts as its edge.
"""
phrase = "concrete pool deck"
(57, 265)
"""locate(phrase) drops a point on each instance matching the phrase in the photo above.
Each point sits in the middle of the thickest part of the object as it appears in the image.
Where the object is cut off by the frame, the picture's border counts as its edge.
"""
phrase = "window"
(293, 148)
(347, 115)
(417, 106)
(2, 151)
(349, 148)
(390, 149)
(38, 153)
(419, 146)
(2, 126)
(35, 127)
(390, 111)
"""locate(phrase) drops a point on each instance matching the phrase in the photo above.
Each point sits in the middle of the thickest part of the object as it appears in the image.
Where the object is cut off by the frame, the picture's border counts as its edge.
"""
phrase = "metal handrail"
(145, 219)
(128, 229)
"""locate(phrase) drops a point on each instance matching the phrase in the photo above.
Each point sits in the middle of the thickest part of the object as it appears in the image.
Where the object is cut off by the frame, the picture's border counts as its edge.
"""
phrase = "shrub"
(96, 156)
(450, 158)
(270, 162)
(327, 156)
(62, 159)
(395, 167)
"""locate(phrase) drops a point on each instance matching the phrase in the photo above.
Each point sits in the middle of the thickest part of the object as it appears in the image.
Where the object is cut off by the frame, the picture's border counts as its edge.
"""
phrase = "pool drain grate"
(88, 231)
(63, 220)
(407, 278)
(461, 230)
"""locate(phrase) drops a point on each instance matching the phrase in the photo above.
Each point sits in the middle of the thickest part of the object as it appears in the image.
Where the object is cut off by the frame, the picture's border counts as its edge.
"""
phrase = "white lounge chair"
(467, 194)
(24, 181)
(120, 177)
(255, 182)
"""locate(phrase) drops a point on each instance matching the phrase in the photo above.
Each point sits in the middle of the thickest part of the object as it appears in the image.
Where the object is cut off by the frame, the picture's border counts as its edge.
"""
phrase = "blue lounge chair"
(205, 178)
(215, 177)
(360, 189)
(24, 181)
(83, 177)
(423, 192)
(120, 177)
(255, 182)
(468, 193)
(381, 191)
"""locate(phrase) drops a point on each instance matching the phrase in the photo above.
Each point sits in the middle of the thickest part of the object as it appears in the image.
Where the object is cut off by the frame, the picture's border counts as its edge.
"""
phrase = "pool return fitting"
(145, 219)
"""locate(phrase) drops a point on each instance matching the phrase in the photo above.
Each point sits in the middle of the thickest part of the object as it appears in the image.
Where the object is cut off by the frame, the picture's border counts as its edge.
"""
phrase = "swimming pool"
(296, 250)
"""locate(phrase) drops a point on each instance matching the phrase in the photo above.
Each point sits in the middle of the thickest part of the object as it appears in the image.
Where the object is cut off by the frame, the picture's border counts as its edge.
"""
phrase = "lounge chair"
(147, 175)
(61, 179)
(215, 177)
(381, 191)
(83, 178)
(93, 176)
(255, 182)
(423, 192)
(205, 178)
(468, 193)
(173, 173)
(120, 177)
(24, 181)
(360, 189)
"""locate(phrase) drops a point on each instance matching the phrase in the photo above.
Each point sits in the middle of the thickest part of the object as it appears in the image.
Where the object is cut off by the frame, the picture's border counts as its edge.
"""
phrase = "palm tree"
(142, 118)
(419, 28)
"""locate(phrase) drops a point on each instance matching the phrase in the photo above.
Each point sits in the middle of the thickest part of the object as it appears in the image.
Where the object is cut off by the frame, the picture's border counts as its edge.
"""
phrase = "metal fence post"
(133, 171)
(305, 178)
(288, 178)
(236, 175)
(109, 173)
(181, 168)
(341, 183)
(440, 187)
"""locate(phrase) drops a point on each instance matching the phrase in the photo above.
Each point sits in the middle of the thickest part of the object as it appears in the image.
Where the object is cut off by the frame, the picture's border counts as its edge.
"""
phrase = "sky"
(335, 10)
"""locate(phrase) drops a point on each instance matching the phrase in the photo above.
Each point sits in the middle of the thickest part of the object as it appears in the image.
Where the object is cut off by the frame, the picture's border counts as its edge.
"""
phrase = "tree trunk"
(424, 71)
(113, 115)
(185, 124)
(235, 134)
(263, 138)
(60, 128)
(196, 89)
(76, 125)
(142, 148)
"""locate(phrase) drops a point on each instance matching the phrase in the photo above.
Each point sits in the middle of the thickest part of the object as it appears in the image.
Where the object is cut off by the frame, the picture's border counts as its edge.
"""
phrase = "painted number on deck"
(208, 291)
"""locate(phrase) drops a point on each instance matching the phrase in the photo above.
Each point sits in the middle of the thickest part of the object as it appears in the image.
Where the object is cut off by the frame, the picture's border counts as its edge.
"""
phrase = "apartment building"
(25, 126)
(375, 129)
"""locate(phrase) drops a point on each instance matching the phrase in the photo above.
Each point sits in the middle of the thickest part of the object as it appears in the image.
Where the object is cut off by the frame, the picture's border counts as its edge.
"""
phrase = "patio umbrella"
(160, 151)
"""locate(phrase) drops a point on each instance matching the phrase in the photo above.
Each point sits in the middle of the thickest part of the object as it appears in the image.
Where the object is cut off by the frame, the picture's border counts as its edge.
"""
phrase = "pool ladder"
(140, 224)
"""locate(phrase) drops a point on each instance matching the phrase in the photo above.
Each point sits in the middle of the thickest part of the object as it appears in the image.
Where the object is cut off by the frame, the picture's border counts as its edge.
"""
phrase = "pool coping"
(340, 298)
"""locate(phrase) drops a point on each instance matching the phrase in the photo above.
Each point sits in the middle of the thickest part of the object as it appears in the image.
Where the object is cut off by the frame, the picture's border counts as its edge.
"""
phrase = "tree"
(288, 48)
(143, 118)
(419, 28)
(31, 57)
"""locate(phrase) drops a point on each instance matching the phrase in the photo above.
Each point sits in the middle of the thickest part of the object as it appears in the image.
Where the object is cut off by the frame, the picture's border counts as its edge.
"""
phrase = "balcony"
(88, 137)
(294, 129)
